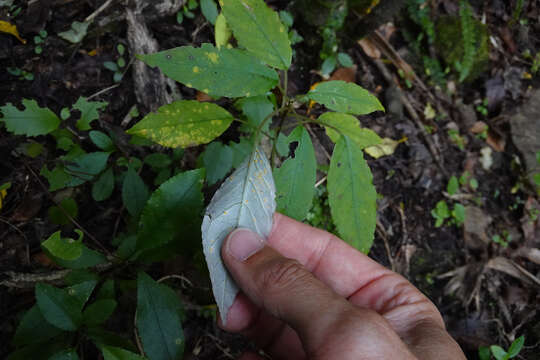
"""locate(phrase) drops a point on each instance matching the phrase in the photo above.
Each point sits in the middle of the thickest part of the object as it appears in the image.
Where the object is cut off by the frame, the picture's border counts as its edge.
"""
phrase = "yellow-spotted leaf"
(9, 28)
(217, 72)
(345, 97)
(259, 30)
(337, 124)
(183, 123)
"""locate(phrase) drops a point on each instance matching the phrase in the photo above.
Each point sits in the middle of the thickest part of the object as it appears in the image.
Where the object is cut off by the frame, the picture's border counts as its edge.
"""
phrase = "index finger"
(346, 270)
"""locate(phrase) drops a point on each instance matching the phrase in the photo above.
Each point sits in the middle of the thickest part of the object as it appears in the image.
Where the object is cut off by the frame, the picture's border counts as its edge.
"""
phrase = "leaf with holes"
(259, 30)
(352, 195)
(89, 112)
(32, 121)
(246, 199)
(338, 123)
(295, 179)
(217, 72)
(345, 97)
(158, 320)
(183, 124)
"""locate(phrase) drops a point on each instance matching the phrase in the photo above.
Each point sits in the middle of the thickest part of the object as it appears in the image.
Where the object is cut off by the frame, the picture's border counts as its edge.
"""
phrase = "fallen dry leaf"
(476, 223)
(345, 74)
(478, 127)
(369, 48)
(496, 141)
(9, 28)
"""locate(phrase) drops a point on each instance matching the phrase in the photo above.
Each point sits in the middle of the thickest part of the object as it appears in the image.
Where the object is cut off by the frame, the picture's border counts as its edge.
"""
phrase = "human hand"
(309, 295)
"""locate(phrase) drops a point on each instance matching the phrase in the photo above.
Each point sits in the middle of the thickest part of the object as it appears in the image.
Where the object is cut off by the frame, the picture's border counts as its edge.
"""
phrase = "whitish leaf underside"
(245, 200)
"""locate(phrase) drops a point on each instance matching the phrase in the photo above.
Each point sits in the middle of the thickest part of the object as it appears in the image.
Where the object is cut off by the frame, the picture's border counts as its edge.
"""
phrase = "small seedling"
(38, 40)
(118, 66)
(482, 108)
(21, 74)
(457, 139)
(485, 353)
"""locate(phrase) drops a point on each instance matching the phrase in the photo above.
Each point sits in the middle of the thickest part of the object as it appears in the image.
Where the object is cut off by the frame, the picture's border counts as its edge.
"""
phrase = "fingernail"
(243, 243)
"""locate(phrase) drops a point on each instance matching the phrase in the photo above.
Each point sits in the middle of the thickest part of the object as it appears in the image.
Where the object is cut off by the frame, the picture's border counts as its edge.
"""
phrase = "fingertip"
(241, 315)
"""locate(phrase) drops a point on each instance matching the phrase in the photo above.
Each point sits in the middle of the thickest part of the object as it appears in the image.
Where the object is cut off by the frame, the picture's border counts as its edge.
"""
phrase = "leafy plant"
(117, 67)
(38, 40)
(166, 221)
(485, 353)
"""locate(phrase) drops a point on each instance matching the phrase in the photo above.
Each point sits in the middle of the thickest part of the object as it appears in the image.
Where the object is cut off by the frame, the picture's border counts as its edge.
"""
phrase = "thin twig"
(103, 91)
(92, 16)
(382, 233)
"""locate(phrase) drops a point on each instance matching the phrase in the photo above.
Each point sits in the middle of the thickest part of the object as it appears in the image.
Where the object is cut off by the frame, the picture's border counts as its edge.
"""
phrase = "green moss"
(450, 44)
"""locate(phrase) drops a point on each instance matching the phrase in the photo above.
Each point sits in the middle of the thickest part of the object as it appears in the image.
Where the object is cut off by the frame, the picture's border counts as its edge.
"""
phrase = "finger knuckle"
(283, 275)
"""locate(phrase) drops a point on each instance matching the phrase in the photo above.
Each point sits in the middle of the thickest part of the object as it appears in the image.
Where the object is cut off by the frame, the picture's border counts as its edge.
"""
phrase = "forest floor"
(481, 267)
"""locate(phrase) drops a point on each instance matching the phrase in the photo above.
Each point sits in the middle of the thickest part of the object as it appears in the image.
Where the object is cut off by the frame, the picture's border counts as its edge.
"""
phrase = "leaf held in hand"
(345, 97)
(217, 72)
(259, 30)
(246, 200)
(352, 195)
(183, 124)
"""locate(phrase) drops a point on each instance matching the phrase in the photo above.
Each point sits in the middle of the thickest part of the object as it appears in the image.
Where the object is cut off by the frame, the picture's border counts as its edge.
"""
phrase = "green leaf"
(345, 60)
(516, 347)
(58, 307)
(87, 166)
(217, 72)
(240, 151)
(286, 18)
(77, 32)
(134, 192)
(351, 195)
(256, 109)
(345, 97)
(453, 186)
(328, 66)
(484, 353)
(104, 186)
(89, 112)
(68, 354)
(459, 214)
(337, 124)
(98, 312)
(183, 124)
(440, 213)
(33, 329)
(172, 211)
(57, 216)
(158, 160)
(63, 248)
(158, 320)
(222, 31)
(32, 121)
(258, 29)
(295, 179)
(536, 179)
(88, 258)
(209, 10)
(81, 292)
(57, 178)
(116, 353)
(498, 352)
(79, 276)
(218, 161)
(101, 140)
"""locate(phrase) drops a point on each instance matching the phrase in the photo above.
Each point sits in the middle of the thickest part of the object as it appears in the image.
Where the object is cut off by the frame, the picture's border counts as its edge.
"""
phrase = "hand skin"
(309, 295)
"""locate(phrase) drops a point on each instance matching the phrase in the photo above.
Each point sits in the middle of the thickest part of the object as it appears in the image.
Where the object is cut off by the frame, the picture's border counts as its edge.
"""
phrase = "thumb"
(283, 287)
